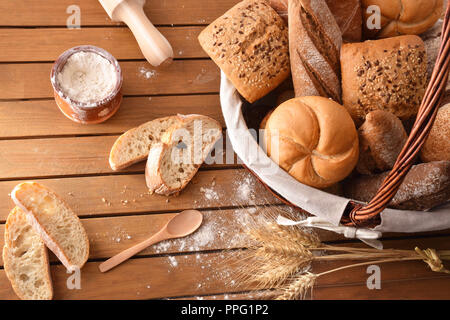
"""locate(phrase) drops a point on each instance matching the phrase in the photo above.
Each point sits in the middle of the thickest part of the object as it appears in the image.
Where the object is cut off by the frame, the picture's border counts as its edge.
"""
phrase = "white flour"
(87, 77)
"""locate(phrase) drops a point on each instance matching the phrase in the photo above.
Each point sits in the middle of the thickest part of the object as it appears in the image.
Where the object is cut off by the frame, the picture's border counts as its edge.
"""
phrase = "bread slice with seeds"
(58, 226)
(25, 259)
(133, 146)
(173, 163)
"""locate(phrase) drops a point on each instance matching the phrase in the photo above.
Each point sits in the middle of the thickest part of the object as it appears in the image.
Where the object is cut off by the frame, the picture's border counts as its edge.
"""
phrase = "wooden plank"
(50, 157)
(206, 273)
(48, 43)
(416, 289)
(208, 189)
(32, 118)
(220, 229)
(31, 80)
(53, 13)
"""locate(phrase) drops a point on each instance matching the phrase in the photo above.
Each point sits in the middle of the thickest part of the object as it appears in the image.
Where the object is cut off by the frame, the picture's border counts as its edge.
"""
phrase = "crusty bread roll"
(437, 145)
(314, 44)
(381, 138)
(387, 74)
(250, 44)
(399, 17)
(314, 139)
(25, 259)
(346, 12)
(425, 186)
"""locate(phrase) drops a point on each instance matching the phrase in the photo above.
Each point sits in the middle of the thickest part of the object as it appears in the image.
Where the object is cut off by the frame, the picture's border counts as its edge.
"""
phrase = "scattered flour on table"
(147, 73)
(173, 261)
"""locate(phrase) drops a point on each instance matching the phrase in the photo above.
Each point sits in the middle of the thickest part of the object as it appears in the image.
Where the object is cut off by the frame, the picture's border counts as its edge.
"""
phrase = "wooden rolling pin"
(153, 44)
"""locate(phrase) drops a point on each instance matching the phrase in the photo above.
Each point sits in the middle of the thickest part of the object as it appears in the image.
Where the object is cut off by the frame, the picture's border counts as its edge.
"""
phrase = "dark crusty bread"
(437, 145)
(381, 138)
(349, 18)
(399, 17)
(425, 186)
(346, 12)
(388, 74)
(314, 46)
(250, 44)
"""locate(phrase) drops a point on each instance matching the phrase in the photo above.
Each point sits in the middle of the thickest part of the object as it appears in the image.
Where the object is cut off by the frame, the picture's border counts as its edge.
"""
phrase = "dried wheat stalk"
(280, 257)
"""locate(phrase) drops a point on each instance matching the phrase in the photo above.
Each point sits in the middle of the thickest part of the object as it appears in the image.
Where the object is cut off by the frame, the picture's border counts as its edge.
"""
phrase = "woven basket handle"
(369, 215)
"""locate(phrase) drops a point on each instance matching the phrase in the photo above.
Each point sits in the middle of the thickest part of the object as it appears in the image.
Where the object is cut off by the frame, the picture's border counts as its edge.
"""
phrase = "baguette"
(314, 47)
(25, 259)
(173, 163)
(59, 228)
(347, 13)
(133, 146)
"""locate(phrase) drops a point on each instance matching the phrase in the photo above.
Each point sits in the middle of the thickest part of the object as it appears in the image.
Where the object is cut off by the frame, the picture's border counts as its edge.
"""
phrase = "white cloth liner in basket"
(327, 208)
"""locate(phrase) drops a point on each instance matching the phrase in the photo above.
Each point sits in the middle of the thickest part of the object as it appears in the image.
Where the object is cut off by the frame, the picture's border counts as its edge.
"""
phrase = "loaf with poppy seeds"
(249, 43)
(387, 74)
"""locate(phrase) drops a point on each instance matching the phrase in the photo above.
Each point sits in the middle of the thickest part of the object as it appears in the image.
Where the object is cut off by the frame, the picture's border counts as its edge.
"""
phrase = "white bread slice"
(59, 228)
(172, 163)
(133, 146)
(25, 259)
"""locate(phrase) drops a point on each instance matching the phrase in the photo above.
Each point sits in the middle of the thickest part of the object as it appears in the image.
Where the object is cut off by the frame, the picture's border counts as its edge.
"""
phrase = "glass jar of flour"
(87, 83)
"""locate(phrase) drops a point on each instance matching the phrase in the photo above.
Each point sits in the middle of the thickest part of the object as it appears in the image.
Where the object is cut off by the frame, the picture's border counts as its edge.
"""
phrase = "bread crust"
(401, 17)
(381, 138)
(387, 74)
(426, 185)
(49, 241)
(318, 142)
(249, 43)
(437, 144)
(314, 44)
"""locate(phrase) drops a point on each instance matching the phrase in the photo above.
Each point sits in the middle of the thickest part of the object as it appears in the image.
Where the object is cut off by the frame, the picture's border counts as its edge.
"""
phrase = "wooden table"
(37, 142)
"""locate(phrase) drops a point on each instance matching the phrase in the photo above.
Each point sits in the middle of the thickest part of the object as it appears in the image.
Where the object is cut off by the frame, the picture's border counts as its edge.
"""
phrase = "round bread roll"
(400, 17)
(437, 145)
(314, 139)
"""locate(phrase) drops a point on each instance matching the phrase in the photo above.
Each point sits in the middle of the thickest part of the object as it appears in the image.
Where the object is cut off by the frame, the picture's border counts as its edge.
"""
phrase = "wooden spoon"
(181, 225)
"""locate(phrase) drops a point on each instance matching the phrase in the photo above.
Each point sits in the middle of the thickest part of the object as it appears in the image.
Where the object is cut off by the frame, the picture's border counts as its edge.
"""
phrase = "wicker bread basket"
(368, 215)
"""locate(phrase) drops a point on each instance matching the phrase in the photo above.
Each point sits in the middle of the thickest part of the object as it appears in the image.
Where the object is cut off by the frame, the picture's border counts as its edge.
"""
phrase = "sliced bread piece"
(173, 163)
(133, 146)
(58, 226)
(25, 259)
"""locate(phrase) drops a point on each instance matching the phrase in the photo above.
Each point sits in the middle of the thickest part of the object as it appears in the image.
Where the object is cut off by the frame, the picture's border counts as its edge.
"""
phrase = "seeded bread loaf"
(133, 146)
(314, 45)
(437, 145)
(25, 259)
(57, 225)
(387, 74)
(426, 185)
(173, 163)
(381, 138)
(249, 43)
